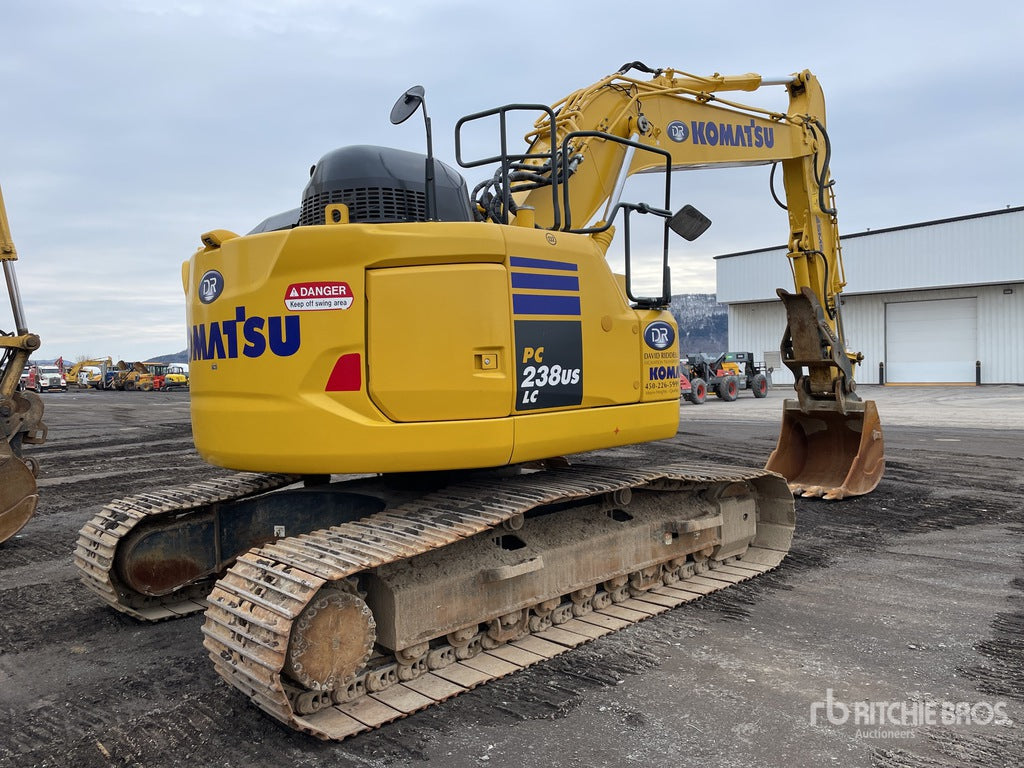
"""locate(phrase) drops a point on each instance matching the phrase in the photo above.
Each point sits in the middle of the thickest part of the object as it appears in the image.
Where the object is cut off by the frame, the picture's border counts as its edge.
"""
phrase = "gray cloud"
(132, 127)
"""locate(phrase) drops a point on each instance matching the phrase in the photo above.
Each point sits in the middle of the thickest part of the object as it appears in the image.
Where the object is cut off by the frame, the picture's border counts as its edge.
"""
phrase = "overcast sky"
(130, 128)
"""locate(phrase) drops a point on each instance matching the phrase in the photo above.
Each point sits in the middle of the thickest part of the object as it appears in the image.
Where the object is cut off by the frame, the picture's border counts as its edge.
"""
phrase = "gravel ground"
(905, 601)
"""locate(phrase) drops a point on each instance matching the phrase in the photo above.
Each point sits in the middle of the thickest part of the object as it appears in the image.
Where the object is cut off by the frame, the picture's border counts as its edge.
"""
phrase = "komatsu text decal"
(250, 336)
(722, 134)
(662, 372)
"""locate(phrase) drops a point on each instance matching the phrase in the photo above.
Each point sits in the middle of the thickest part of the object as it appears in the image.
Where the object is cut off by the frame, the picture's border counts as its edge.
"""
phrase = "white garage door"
(931, 341)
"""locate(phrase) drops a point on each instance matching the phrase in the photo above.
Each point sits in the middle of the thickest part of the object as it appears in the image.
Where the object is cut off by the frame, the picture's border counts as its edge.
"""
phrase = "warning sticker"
(305, 297)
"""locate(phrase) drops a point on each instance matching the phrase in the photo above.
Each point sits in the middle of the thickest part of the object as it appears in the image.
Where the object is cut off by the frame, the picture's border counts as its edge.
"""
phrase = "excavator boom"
(21, 413)
(831, 442)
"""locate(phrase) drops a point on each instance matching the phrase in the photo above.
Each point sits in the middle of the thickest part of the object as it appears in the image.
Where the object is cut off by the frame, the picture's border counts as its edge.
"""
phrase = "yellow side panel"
(261, 433)
(552, 434)
(439, 342)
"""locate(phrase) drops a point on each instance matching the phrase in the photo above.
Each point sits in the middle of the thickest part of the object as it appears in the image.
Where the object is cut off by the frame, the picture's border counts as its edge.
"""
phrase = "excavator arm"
(591, 141)
(102, 363)
(21, 413)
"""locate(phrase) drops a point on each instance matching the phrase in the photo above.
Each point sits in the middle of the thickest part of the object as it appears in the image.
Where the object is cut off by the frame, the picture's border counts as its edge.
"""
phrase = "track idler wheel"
(331, 641)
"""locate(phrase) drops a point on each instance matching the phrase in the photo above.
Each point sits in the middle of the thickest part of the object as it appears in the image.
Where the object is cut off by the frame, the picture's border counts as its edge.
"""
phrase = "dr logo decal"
(211, 285)
(659, 335)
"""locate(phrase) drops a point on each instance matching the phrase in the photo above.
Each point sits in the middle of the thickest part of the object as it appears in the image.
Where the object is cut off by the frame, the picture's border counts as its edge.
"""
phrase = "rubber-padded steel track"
(98, 540)
(253, 608)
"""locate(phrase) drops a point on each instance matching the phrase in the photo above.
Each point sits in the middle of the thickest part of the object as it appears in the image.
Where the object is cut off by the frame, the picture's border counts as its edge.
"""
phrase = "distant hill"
(703, 323)
(177, 357)
(703, 326)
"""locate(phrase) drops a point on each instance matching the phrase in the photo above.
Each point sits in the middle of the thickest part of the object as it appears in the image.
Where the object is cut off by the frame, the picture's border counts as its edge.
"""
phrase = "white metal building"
(938, 302)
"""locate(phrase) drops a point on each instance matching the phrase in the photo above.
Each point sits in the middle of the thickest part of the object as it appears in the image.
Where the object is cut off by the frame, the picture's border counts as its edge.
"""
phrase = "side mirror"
(404, 108)
(689, 223)
(407, 105)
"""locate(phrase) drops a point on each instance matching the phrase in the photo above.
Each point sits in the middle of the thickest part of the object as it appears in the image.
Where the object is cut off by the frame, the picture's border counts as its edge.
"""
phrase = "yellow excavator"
(404, 374)
(21, 413)
(93, 380)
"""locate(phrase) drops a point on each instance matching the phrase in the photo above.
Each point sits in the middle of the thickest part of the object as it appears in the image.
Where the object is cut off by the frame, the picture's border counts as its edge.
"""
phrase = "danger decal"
(307, 297)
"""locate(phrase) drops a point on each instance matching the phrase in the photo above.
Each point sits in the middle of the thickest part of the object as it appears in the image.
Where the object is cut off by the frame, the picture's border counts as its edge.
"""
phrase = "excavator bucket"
(18, 493)
(828, 452)
(21, 414)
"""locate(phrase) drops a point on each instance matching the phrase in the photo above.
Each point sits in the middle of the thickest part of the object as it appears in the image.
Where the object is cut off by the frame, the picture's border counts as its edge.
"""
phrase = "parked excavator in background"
(21, 412)
(461, 349)
(95, 370)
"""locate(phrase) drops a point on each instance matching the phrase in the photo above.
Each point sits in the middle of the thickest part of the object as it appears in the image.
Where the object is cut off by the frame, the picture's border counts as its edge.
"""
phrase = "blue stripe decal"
(522, 261)
(533, 304)
(545, 282)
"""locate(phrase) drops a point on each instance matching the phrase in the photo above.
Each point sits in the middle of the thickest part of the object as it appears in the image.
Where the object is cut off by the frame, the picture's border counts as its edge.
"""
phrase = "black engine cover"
(381, 184)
